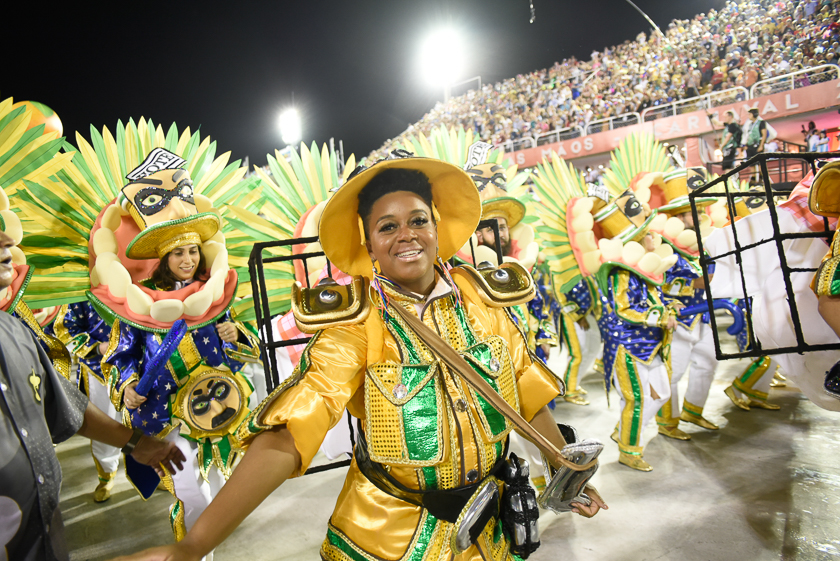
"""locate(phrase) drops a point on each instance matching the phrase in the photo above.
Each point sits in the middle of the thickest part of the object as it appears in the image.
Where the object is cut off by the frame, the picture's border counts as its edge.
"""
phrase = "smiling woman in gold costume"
(393, 224)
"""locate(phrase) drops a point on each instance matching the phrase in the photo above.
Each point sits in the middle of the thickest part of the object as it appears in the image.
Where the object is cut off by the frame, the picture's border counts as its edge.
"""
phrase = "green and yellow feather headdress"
(26, 154)
(70, 208)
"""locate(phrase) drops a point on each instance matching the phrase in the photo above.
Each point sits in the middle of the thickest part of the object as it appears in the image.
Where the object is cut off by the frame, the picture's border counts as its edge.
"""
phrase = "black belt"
(443, 504)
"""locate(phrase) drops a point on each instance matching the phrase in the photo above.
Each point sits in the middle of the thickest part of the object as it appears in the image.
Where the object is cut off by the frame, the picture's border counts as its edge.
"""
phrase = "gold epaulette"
(330, 304)
(509, 284)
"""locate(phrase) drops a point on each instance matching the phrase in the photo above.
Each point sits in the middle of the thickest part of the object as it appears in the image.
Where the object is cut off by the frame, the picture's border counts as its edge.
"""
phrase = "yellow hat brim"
(145, 244)
(506, 207)
(453, 192)
(824, 195)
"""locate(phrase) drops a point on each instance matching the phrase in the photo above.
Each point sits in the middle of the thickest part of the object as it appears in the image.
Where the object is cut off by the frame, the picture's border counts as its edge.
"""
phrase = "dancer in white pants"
(693, 349)
(692, 346)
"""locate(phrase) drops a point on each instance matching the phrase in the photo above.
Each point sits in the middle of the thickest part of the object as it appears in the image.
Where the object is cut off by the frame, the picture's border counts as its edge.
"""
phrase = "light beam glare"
(442, 57)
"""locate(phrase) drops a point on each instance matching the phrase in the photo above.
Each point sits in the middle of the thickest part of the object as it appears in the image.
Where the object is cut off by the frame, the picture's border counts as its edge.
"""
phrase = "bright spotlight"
(442, 57)
(290, 129)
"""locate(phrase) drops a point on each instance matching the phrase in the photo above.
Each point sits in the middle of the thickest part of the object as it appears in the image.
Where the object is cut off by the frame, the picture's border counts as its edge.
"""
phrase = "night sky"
(230, 67)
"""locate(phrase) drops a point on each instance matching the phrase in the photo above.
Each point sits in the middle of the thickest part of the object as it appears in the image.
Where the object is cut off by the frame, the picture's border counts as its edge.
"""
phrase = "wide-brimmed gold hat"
(824, 196)
(160, 239)
(496, 203)
(678, 184)
(453, 193)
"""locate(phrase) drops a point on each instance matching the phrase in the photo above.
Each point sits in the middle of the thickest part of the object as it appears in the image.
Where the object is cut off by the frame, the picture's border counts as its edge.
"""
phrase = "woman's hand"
(132, 399)
(227, 332)
(103, 348)
(596, 505)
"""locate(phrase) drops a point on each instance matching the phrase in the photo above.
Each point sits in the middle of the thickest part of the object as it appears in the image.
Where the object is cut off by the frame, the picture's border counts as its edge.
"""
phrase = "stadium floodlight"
(290, 129)
(442, 58)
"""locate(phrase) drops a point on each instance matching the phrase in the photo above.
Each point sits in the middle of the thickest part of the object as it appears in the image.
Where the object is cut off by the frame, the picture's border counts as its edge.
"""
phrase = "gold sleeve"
(827, 278)
(313, 399)
(537, 384)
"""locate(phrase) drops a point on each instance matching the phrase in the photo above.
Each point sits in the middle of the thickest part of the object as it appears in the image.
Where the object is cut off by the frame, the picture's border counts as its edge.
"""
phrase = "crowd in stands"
(737, 46)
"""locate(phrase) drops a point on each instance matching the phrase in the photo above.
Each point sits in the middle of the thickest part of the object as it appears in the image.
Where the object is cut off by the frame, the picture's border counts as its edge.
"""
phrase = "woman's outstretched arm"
(248, 486)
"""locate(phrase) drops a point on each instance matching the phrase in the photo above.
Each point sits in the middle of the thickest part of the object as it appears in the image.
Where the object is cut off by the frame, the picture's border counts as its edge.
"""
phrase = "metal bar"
(777, 237)
(492, 223)
(774, 219)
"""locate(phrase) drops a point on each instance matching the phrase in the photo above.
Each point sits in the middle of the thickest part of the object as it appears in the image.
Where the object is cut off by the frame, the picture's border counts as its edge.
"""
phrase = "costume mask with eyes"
(619, 225)
(668, 194)
(496, 202)
(211, 403)
(155, 212)
(588, 230)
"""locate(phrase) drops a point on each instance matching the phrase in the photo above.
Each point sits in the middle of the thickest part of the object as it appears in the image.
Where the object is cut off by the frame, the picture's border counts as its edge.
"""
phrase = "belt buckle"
(487, 496)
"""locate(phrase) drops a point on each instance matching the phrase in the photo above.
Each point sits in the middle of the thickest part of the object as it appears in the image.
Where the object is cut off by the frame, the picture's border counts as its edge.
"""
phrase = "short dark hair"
(390, 181)
(165, 279)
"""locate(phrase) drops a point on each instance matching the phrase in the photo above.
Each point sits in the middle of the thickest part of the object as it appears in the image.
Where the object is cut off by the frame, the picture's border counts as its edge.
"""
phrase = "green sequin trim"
(636, 425)
(466, 328)
(416, 551)
(420, 415)
(336, 541)
(495, 420)
(397, 328)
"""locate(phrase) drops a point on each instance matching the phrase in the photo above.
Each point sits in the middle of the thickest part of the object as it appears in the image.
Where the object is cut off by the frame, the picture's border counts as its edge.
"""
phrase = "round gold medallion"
(213, 402)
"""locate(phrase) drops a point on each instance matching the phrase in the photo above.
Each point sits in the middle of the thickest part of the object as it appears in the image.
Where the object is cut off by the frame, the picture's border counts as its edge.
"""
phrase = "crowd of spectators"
(737, 46)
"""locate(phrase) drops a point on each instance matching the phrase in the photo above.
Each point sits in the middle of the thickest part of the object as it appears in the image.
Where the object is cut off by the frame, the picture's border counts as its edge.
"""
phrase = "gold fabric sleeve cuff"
(537, 387)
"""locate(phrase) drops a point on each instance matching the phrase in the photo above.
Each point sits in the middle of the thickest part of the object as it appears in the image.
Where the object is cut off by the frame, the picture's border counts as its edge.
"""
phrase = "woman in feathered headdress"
(159, 275)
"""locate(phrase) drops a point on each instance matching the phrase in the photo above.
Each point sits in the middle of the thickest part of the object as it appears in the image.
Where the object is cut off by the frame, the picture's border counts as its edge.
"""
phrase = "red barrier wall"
(802, 100)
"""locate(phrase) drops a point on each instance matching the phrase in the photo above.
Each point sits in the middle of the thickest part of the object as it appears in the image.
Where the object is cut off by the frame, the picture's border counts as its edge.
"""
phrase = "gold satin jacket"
(425, 425)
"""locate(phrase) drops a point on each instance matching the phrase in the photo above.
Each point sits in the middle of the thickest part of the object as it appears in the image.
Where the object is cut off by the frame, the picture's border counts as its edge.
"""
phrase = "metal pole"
(644, 15)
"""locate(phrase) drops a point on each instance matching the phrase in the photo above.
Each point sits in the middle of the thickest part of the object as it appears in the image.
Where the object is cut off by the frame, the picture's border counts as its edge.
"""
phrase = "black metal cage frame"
(256, 263)
(770, 191)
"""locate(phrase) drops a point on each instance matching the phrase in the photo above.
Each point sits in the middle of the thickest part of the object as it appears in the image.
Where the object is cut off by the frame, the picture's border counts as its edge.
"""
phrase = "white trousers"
(107, 456)
(638, 406)
(190, 487)
(695, 349)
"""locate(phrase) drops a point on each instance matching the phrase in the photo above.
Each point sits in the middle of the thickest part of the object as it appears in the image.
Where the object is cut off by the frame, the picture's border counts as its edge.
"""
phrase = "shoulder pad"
(509, 284)
(330, 304)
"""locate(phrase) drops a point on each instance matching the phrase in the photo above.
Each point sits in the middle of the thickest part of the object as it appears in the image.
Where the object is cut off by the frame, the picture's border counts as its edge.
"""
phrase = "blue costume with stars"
(630, 319)
(679, 286)
(135, 347)
(636, 347)
(203, 371)
(81, 329)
